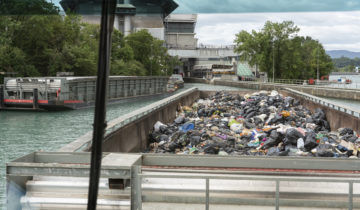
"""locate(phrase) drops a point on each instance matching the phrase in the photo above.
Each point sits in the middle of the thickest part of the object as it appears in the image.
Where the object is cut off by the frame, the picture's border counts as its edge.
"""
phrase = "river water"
(354, 78)
(25, 132)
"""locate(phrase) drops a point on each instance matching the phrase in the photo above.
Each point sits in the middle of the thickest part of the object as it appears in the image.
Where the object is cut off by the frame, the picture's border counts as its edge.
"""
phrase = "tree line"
(344, 64)
(278, 46)
(42, 45)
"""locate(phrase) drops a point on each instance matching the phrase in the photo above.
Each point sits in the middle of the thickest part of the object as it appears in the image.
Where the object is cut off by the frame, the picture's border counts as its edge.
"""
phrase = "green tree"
(27, 7)
(42, 45)
(13, 59)
(278, 45)
(344, 64)
(150, 52)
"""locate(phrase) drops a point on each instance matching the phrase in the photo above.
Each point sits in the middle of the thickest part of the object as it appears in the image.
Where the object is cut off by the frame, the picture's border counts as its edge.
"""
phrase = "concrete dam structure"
(134, 180)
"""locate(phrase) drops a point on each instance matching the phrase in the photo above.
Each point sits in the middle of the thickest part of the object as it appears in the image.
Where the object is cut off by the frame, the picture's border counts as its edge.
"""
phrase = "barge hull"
(64, 93)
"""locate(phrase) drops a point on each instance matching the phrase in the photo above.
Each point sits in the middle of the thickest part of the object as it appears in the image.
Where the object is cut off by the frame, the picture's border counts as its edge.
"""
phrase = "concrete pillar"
(116, 23)
(127, 25)
(127, 21)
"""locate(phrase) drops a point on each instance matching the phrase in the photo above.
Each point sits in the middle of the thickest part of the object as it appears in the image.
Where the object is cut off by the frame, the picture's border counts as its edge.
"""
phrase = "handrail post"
(207, 192)
(351, 185)
(136, 191)
(277, 195)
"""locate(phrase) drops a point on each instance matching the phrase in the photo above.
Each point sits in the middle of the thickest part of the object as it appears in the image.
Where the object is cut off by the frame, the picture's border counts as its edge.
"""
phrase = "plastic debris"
(187, 127)
(258, 124)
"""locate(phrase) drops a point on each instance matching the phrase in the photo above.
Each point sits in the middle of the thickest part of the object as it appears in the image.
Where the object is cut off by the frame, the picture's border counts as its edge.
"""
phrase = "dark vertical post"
(107, 24)
(35, 98)
(2, 97)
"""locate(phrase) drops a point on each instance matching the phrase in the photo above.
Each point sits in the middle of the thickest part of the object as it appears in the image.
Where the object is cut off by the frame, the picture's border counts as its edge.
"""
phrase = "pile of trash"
(261, 124)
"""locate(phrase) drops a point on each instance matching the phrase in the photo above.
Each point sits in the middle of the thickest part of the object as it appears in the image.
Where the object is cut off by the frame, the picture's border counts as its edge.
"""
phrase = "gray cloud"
(336, 30)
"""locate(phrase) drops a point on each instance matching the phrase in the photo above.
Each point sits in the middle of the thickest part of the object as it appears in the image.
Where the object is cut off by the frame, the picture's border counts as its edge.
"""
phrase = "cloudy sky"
(335, 23)
(241, 6)
(335, 30)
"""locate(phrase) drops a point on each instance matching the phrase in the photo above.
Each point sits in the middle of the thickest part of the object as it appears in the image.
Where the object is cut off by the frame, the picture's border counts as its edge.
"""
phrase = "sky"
(335, 23)
(246, 6)
(335, 30)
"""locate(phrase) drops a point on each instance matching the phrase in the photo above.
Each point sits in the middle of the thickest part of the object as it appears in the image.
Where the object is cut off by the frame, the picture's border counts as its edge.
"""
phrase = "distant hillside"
(345, 53)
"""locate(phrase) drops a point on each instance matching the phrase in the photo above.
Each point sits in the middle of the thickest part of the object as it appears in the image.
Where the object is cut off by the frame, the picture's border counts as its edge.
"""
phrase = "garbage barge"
(63, 93)
(135, 180)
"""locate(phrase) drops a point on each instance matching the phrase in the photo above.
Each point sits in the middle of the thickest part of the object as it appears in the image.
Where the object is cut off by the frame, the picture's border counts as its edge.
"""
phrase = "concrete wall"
(158, 33)
(181, 40)
(134, 137)
(203, 53)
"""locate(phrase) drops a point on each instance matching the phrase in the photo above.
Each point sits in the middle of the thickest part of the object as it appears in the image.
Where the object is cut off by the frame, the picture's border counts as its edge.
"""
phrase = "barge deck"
(51, 180)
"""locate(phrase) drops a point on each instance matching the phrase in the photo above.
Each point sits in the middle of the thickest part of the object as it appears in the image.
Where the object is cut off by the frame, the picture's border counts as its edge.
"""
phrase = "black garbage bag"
(325, 150)
(319, 114)
(264, 110)
(202, 113)
(211, 112)
(309, 120)
(250, 110)
(195, 140)
(296, 103)
(300, 114)
(270, 142)
(353, 139)
(291, 136)
(155, 137)
(310, 141)
(251, 115)
(257, 121)
(326, 125)
(249, 125)
(163, 137)
(179, 120)
(345, 131)
(189, 114)
(276, 119)
(227, 115)
(276, 135)
(172, 146)
(288, 101)
(275, 151)
(271, 100)
(231, 140)
(348, 137)
(183, 140)
(211, 149)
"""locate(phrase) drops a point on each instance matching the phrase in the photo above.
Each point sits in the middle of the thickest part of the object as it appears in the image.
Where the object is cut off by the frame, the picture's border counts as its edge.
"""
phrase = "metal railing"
(333, 105)
(271, 178)
(205, 46)
(317, 83)
(303, 83)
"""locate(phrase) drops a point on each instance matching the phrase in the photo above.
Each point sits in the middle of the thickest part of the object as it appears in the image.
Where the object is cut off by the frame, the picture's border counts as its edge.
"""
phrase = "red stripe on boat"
(22, 101)
(73, 102)
(43, 101)
(18, 101)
